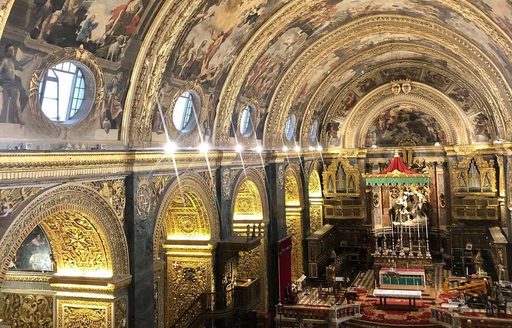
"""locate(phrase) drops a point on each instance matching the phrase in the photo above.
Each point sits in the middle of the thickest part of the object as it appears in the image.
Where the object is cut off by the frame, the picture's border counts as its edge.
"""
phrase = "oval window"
(246, 121)
(66, 92)
(289, 128)
(184, 115)
(314, 131)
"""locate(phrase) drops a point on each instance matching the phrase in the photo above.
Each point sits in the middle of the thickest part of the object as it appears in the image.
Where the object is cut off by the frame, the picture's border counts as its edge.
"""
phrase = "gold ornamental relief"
(249, 263)
(114, 193)
(78, 246)
(187, 218)
(314, 185)
(187, 279)
(27, 310)
(294, 229)
(291, 188)
(11, 198)
(315, 217)
(77, 317)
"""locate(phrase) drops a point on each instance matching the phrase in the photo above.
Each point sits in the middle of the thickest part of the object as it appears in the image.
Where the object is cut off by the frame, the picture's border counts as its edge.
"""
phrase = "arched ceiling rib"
(438, 40)
(264, 25)
(290, 55)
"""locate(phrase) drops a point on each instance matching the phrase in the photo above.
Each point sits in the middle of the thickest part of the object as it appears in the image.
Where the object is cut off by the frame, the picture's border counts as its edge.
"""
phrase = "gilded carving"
(248, 201)
(27, 310)
(315, 217)
(76, 243)
(341, 178)
(11, 198)
(187, 278)
(114, 193)
(474, 174)
(143, 197)
(72, 199)
(78, 317)
(249, 263)
(291, 190)
(294, 229)
(159, 185)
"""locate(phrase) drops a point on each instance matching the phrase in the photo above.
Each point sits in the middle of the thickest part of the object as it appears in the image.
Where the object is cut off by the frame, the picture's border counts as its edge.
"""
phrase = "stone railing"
(317, 316)
(447, 318)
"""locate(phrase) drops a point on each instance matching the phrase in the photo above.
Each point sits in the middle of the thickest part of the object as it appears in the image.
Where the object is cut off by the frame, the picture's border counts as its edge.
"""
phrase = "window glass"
(62, 92)
(184, 115)
(246, 122)
(289, 128)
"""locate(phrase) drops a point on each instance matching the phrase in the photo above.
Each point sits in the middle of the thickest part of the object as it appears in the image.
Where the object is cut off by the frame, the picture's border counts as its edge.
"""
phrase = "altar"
(404, 279)
(384, 294)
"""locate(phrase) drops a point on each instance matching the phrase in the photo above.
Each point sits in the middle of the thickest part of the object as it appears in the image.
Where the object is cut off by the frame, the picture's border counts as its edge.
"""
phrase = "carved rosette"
(143, 197)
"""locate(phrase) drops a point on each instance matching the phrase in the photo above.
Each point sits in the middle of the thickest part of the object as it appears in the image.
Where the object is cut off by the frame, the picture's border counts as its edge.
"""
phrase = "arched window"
(246, 121)
(289, 128)
(184, 115)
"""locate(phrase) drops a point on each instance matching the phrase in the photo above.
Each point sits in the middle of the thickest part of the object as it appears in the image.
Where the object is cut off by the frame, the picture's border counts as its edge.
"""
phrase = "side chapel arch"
(315, 199)
(250, 207)
(65, 208)
(187, 229)
(293, 203)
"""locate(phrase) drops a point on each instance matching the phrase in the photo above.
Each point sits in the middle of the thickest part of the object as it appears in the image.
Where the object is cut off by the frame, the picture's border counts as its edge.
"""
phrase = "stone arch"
(450, 116)
(67, 208)
(293, 209)
(187, 230)
(197, 190)
(315, 200)
(251, 187)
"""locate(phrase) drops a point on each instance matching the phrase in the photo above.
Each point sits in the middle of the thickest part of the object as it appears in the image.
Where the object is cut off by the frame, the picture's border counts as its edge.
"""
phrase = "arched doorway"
(250, 216)
(186, 232)
(315, 201)
(70, 243)
(294, 219)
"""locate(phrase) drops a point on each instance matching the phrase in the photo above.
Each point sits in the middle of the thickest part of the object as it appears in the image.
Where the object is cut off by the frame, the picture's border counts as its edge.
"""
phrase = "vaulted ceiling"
(328, 62)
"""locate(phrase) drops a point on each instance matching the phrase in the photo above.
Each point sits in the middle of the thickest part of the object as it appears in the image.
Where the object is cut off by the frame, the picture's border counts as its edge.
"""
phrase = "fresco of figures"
(103, 27)
(402, 125)
(221, 28)
(34, 254)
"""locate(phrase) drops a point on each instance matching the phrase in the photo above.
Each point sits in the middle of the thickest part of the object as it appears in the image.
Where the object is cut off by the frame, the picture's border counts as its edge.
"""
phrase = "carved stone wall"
(187, 277)
(27, 310)
(79, 314)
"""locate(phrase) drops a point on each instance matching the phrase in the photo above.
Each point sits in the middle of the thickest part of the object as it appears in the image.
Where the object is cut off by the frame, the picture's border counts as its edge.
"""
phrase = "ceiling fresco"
(108, 29)
(281, 57)
(404, 126)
